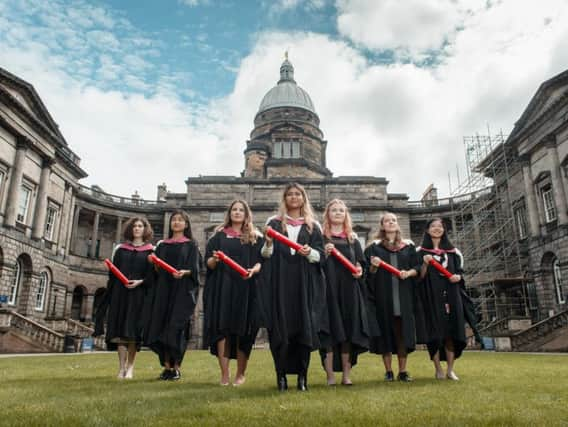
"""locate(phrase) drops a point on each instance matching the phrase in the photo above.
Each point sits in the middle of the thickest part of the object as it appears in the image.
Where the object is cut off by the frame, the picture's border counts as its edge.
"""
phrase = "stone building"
(54, 231)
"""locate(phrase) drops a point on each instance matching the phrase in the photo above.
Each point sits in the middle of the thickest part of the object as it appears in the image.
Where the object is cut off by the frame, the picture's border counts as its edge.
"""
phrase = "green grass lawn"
(495, 389)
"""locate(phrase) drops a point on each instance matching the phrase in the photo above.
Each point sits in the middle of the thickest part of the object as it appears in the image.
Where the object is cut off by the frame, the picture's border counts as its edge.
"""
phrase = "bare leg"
(450, 355)
(242, 362)
(346, 363)
(387, 361)
(328, 365)
(400, 346)
(122, 356)
(130, 363)
(438, 366)
(222, 350)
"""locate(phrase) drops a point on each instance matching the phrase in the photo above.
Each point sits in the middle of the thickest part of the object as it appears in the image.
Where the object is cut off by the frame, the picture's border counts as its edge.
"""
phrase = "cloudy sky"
(168, 89)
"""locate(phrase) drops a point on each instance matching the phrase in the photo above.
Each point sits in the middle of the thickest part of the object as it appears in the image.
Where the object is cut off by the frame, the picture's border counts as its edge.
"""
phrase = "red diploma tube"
(346, 263)
(162, 264)
(116, 272)
(390, 268)
(227, 260)
(441, 269)
(283, 239)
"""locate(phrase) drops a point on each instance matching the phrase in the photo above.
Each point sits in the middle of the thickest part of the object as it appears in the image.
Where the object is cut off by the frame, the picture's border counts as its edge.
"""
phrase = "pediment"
(25, 96)
(546, 96)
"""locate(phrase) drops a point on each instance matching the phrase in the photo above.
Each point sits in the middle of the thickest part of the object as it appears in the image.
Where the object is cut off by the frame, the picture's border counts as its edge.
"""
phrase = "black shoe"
(282, 382)
(302, 382)
(389, 376)
(404, 377)
(175, 375)
(165, 374)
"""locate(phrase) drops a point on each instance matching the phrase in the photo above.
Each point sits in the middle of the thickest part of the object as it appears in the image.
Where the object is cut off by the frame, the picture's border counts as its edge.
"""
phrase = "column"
(532, 209)
(41, 205)
(118, 236)
(15, 183)
(73, 232)
(167, 216)
(88, 301)
(95, 235)
(557, 184)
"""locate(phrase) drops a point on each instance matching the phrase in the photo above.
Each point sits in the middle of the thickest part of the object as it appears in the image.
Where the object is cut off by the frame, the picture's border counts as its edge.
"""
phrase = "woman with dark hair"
(174, 296)
(125, 303)
(442, 298)
(392, 298)
(231, 320)
(347, 310)
(293, 288)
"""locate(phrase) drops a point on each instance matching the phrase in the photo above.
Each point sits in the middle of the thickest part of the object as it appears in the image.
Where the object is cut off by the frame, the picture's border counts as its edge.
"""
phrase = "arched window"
(15, 285)
(41, 291)
(557, 276)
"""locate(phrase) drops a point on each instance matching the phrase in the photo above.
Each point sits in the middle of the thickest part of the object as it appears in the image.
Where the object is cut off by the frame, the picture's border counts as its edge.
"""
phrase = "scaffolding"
(484, 230)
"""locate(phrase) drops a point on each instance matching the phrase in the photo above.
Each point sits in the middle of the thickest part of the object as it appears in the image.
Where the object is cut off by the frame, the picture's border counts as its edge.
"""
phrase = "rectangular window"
(296, 150)
(521, 220)
(50, 219)
(23, 204)
(277, 150)
(286, 150)
(548, 202)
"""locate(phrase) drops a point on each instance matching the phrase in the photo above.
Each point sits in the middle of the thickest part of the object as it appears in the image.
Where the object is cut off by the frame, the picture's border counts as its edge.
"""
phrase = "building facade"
(55, 232)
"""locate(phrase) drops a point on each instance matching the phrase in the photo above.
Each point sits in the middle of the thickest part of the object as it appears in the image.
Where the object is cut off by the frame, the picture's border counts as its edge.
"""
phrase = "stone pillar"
(15, 183)
(95, 235)
(167, 216)
(532, 210)
(88, 301)
(118, 236)
(41, 205)
(557, 184)
(74, 230)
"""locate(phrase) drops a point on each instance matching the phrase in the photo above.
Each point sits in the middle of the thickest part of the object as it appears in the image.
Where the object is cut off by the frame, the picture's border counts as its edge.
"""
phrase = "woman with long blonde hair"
(229, 300)
(293, 288)
(348, 326)
(392, 298)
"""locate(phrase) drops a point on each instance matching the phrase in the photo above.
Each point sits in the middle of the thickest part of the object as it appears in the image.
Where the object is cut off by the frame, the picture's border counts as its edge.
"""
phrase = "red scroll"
(283, 239)
(116, 272)
(390, 268)
(227, 260)
(440, 268)
(346, 263)
(162, 264)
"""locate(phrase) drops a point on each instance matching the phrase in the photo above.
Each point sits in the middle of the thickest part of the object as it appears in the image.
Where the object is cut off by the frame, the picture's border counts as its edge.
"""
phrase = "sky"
(151, 92)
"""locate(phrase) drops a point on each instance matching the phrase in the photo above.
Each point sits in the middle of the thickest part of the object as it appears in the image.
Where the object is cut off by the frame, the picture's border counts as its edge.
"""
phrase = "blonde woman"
(293, 288)
(229, 300)
(392, 298)
(349, 329)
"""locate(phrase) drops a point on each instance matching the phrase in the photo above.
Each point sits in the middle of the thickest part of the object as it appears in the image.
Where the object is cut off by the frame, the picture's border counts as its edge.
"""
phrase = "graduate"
(392, 298)
(442, 299)
(174, 296)
(231, 312)
(346, 304)
(293, 288)
(124, 304)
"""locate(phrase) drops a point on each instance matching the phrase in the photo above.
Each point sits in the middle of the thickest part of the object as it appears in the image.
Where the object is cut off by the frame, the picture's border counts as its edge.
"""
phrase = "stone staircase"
(547, 335)
(20, 334)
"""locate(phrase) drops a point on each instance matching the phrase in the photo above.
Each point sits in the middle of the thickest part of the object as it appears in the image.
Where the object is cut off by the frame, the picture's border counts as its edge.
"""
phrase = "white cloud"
(410, 26)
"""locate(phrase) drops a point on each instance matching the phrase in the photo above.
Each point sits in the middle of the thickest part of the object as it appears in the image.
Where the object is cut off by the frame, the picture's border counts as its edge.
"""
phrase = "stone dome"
(286, 93)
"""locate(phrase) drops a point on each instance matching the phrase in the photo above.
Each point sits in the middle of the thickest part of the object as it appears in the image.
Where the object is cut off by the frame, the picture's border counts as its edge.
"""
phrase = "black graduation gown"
(173, 301)
(230, 306)
(293, 299)
(381, 305)
(123, 307)
(443, 305)
(346, 304)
